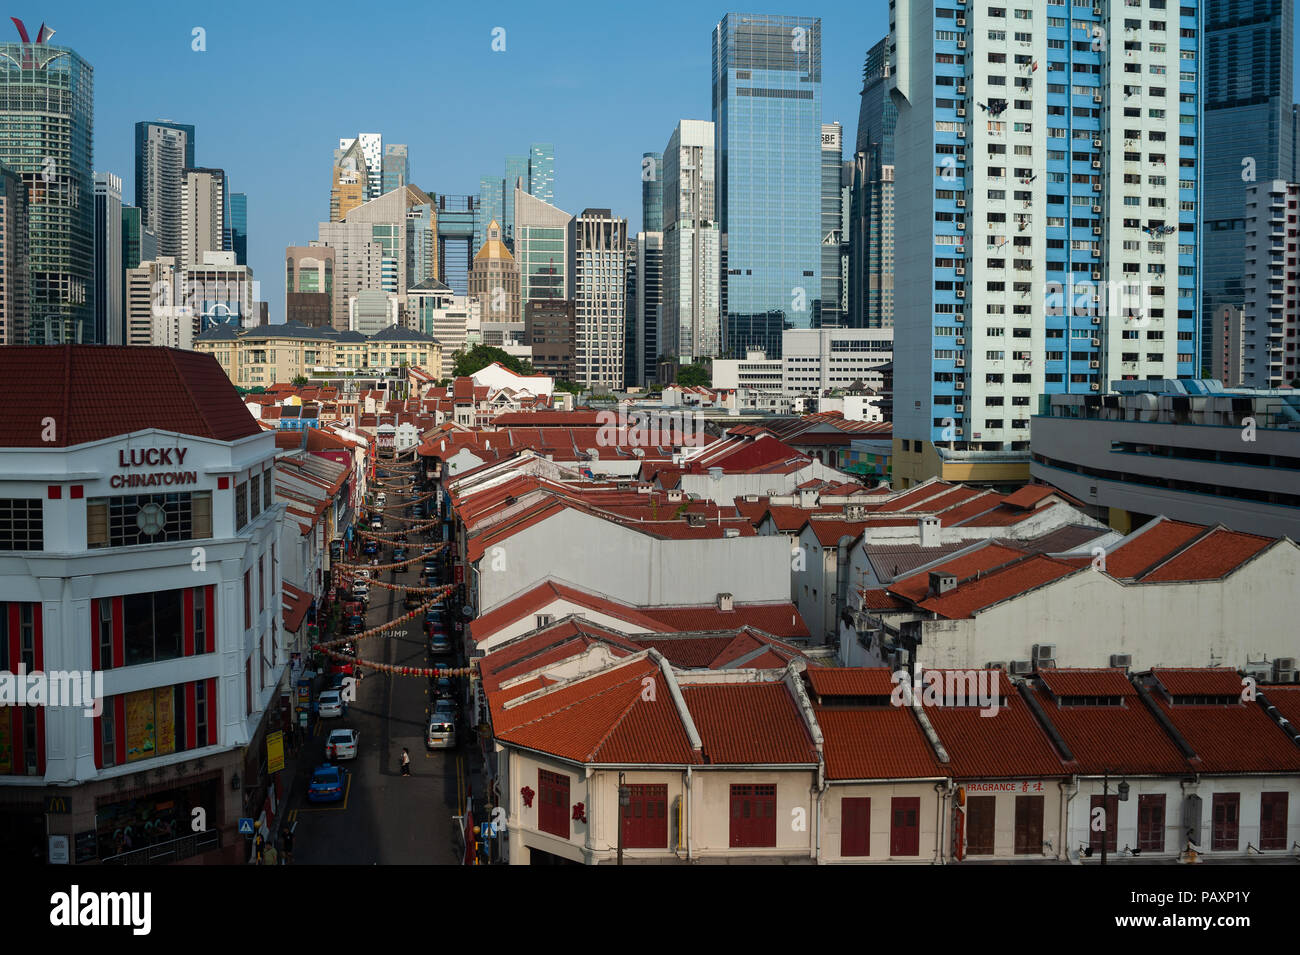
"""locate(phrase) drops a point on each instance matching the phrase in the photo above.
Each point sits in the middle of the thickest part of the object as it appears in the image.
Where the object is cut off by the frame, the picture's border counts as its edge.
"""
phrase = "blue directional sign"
(245, 826)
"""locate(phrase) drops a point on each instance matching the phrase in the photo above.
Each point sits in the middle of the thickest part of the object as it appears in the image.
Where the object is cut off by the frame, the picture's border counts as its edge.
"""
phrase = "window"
(267, 499)
(753, 816)
(115, 521)
(553, 803)
(1151, 823)
(645, 818)
(201, 713)
(21, 524)
(261, 584)
(1109, 820)
(248, 686)
(1029, 825)
(1227, 818)
(241, 505)
(153, 626)
(255, 495)
(855, 826)
(200, 620)
(104, 641)
(248, 600)
(980, 812)
(108, 736)
(905, 826)
(1272, 820)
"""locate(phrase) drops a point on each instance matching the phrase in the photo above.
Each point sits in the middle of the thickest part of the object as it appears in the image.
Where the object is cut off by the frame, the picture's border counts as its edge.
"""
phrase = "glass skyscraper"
(871, 213)
(516, 171)
(1249, 136)
(46, 136)
(457, 218)
(827, 312)
(541, 171)
(652, 192)
(491, 203)
(767, 106)
(239, 227)
(396, 167)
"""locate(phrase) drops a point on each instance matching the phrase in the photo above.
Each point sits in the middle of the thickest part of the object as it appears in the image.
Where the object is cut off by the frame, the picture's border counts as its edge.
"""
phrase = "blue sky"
(279, 84)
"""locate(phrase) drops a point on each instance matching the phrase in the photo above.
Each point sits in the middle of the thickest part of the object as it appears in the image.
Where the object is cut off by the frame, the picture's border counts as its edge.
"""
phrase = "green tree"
(480, 356)
(299, 381)
(568, 386)
(693, 376)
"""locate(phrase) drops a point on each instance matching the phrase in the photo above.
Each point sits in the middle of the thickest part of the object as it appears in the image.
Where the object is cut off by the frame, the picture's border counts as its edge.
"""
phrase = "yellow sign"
(274, 752)
(141, 731)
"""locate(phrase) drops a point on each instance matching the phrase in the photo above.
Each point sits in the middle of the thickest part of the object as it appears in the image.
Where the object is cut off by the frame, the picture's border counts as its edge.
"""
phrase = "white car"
(330, 704)
(342, 744)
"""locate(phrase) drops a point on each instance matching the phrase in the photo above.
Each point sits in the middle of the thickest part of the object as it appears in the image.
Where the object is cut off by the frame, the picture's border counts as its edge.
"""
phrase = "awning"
(296, 603)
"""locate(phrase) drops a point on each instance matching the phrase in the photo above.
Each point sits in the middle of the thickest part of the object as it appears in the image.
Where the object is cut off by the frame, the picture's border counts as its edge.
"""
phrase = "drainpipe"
(690, 815)
(1064, 851)
(941, 789)
(821, 798)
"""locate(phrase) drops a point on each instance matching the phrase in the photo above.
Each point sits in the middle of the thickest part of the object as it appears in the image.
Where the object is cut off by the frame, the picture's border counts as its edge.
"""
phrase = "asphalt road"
(386, 818)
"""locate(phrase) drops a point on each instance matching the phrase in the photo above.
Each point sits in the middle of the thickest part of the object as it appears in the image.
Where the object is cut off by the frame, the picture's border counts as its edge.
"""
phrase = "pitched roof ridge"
(1178, 551)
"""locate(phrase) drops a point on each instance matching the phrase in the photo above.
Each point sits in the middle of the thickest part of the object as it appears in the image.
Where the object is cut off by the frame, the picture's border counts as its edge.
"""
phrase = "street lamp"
(624, 800)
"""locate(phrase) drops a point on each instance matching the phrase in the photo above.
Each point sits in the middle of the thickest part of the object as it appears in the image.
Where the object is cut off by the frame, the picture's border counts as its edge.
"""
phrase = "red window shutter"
(1029, 825)
(553, 803)
(981, 814)
(1151, 823)
(210, 619)
(191, 717)
(855, 826)
(905, 826)
(1272, 820)
(40, 741)
(187, 615)
(94, 655)
(119, 648)
(645, 819)
(15, 629)
(1227, 817)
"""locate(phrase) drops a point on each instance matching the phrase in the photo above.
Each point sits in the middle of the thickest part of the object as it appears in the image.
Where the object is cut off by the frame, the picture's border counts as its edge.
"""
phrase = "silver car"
(442, 728)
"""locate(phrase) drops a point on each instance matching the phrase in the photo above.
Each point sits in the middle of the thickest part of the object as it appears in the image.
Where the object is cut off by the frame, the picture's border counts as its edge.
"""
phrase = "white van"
(381, 499)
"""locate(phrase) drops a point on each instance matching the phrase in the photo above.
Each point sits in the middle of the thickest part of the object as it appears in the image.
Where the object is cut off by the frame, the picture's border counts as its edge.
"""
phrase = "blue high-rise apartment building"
(652, 192)
(239, 227)
(767, 115)
(1046, 218)
(1249, 137)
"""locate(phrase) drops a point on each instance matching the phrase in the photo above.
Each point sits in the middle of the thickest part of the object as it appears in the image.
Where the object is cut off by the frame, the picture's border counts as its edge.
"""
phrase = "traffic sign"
(245, 826)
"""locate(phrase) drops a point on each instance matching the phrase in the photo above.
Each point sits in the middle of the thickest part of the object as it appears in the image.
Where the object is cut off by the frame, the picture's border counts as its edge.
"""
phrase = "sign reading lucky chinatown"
(154, 458)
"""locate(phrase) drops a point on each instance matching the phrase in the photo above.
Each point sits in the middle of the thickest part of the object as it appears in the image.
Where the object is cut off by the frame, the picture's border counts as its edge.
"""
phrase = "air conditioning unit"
(957, 430)
(1097, 143)
(1094, 364)
(1096, 11)
(1284, 670)
(1124, 660)
(961, 341)
(960, 270)
(1096, 253)
(1096, 230)
(1096, 97)
(961, 110)
(1096, 387)
(1044, 651)
(961, 157)
(1020, 668)
(961, 203)
(960, 385)
(1096, 319)
(1096, 164)
(961, 293)
(961, 134)
(1096, 275)
(961, 44)
(1096, 208)
(1095, 341)
(996, 665)
(961, 362)
(961, 21)
(1096, 187)
(960, 409)
(961, 225)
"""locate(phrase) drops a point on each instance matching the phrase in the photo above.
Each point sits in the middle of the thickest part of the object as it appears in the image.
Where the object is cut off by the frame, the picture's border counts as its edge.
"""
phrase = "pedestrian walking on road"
(406, 762)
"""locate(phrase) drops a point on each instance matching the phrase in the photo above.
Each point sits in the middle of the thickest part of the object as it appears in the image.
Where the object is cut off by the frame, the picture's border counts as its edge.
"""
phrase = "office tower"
(218, 291)
(1052, 250)
(14, 272)
(631, 346)
(163, 151)
(690, 326)
(1229, 339)
(600, 297)
(203, 214)
(767, 106)
(492, 206)
(157, 312)
(871, 226)
(646, 322)
(1271, 317)
(494, 279)
(138, 243)
(365, 151)
(541, 171)
(350, 182)
(453, 320)
(110, 328)
(239, 227)
(549, 331)
(542, 250)
(458, 218)
(826, 310)
(1249, 135)
(309, 285)
(371, 311)
(396, 167)
(652, 192)
(421, 238)
(516, 175)
(46, 137)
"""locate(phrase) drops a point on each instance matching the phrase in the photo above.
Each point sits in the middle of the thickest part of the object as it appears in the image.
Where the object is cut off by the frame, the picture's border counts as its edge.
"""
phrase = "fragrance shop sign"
(133, 460)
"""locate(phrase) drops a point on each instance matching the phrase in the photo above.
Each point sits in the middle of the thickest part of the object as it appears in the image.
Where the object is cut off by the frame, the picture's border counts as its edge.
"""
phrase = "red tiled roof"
(1029, 496)
(1121, 739)
(881, 599)
(296, 604)
(1007, 744)
(1148, 547)
(1286, 699)
(1199, 681)
(875, 742)
(94, 392)
(1233, 738)
(999, 585)
(778, 619)
(748, 723)
(984, 558)
(1213, 556)
(1082, 681)
(830, 532)
(850, 681)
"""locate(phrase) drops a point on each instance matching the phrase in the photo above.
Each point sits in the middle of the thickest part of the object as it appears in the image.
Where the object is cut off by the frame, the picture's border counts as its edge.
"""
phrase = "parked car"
(443, 688)
(356, 624)
(376, 523)
(412, 600)
(439, 643)
(381, 499)
(372, 547)
(442, 731)
(363, 572)
(419, 510)
(399, 553)
(431, 568)
(432, 615)
(361, 592)
(327, 784)
(342, 668)
(342, 744)
(353, 607)
(426, 549)
(330, 704)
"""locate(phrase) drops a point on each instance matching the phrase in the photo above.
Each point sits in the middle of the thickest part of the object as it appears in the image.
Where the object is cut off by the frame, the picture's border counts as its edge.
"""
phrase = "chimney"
(941, 583)
(725, 603)
(929, 531)
(807, 497)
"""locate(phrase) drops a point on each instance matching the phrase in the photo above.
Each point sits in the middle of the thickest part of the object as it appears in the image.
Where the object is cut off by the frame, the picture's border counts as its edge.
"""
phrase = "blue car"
(372, 547)
(327, 784)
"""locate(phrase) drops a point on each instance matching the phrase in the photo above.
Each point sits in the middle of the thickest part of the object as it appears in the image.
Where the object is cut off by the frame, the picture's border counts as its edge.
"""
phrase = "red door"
(905, 826)
(1227, 817)
(1272, 820)
(855, 826)
(645, 818)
